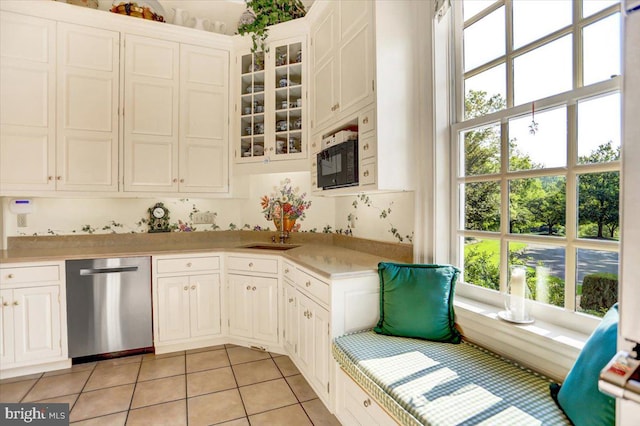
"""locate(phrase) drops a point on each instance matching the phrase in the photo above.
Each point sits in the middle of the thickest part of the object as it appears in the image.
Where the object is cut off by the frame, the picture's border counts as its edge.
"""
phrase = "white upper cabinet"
(342, 46)
(151, 114)
(272, 103)
(204, 138)
(87, 119)
(27, 102)
(176, 117)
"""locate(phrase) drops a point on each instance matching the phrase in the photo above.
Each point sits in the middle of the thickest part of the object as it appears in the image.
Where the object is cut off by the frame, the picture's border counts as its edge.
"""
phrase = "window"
(538, 149)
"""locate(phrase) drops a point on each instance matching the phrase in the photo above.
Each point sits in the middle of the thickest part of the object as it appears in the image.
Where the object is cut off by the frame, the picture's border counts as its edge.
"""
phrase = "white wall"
(77, 216)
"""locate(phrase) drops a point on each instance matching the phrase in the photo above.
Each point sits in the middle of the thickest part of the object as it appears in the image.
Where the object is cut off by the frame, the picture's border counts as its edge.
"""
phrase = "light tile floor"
(226, 384)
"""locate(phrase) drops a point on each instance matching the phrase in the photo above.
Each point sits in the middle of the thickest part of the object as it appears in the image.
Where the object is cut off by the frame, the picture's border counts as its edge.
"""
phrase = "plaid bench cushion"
(430, 383)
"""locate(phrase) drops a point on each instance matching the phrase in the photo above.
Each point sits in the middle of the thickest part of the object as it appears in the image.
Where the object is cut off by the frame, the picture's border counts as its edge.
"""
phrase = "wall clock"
(158, 218)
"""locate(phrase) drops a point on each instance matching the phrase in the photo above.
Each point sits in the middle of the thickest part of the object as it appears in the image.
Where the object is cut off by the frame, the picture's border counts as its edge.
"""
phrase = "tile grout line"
(135, 386)
(235, 379)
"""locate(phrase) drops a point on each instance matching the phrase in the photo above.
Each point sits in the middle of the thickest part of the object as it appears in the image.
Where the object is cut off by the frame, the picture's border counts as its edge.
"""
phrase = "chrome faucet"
(283, 235)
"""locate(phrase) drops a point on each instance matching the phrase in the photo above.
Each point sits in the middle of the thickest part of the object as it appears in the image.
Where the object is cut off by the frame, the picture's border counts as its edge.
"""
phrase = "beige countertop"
(330, 257)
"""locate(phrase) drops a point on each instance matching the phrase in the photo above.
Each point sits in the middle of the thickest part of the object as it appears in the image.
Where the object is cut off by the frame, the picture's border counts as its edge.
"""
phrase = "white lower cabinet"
(355, 407)
(187, 301)
(313, 343)
(290, 326)
(253, 307)
(33, 322)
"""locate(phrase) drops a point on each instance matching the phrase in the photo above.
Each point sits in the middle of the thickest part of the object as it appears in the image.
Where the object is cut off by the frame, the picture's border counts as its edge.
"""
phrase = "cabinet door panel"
(305, 334)
(324, 36)
(37, 323)
(356, 68)
(240, 306)
(6, 328)
(320, 320)
(173, 308)
(151, 115)
(204, 119)
(290, 319)
(28, 102)
(88, 162)
(205, 304)
(323, 88)
(265, 307)
(352, 14)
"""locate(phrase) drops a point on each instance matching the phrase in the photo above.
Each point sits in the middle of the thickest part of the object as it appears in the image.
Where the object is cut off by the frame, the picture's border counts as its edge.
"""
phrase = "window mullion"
(571, 214)
(504, 204)
(508, 10)
(577, 46)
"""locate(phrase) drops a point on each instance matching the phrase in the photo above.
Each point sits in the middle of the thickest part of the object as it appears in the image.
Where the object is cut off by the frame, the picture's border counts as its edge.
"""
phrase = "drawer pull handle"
(286, 271)
(308, 283)
(310, 315)
(5, 304)
(250, 264)
(365, 120)
(186, 287)
(193, 287)
(367, 402)
(15, 303)
(366, 173)
(249, 287)
(189, 265)
(365, 147)
(10, 276)
(254, 288)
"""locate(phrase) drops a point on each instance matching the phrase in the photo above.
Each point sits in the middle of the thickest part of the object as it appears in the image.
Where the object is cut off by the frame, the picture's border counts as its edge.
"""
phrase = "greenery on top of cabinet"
(268, 12)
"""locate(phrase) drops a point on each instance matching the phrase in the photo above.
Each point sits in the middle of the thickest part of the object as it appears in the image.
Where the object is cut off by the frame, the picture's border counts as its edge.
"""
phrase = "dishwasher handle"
(95, 271)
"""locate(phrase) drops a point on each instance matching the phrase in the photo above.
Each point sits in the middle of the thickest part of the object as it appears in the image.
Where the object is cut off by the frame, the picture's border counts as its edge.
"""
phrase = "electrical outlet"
(22, 220)
(203, 217)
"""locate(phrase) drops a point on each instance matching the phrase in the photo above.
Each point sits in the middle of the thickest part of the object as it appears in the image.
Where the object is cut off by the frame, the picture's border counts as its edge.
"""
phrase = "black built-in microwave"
(338, 165)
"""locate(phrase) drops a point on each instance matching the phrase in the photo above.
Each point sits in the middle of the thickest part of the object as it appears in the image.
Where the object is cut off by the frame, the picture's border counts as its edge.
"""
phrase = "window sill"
(541, 346)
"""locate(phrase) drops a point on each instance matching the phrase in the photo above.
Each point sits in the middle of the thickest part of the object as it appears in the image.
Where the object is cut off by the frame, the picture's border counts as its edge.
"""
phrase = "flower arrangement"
(294, 205)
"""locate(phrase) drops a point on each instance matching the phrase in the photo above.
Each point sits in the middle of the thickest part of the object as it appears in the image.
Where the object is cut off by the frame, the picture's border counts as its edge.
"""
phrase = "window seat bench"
(419, 382)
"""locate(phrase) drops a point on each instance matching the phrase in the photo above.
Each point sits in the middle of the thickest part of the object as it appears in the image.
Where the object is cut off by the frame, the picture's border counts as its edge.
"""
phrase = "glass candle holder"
(516, 299)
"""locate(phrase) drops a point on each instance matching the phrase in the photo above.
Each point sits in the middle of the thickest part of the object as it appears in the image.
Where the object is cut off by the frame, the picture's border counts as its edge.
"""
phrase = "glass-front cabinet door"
(252, 106)
(272, 108)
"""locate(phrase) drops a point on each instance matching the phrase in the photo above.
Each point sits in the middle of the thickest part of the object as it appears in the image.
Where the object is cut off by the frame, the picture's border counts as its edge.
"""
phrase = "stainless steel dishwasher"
(109, 306)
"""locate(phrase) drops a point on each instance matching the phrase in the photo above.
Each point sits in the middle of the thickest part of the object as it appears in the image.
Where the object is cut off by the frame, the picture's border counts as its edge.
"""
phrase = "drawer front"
(313, 286)
(355, 407)
(289, 271)
(368, 173)
(29, 274)
(367, 121)
(250, 264)
(188, 264)
(367, 146)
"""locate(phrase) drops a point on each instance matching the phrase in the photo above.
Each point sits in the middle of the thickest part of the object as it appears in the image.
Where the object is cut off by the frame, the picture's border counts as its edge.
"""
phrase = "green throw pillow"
(417, 301)
(579, 396)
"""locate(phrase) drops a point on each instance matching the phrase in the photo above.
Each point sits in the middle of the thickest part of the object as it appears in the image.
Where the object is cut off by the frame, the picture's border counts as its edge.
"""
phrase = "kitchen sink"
(271, 246)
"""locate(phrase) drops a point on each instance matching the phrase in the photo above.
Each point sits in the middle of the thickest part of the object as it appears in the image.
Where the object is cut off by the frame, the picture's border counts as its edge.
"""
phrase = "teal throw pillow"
(417, 301)
(579, 396)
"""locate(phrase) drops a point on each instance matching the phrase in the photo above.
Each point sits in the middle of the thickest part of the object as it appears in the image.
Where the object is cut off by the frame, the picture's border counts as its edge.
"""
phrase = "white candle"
(518, 283)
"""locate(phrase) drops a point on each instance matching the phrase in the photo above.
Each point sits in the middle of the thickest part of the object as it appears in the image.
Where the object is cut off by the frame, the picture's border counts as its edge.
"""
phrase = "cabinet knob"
(249, 288)
(193, 287)
(15, 303)
(189, 265)
(310, 315)
(271, 149)
(58, 177)
(286, 271)
(186, 287)
(306, 313)
(10, 276)
(365, 120)
(181, 180)
(174, 180)
(338, 105)
(291, 300)
(254, 288)
(313, 144)
(308, 283)
(49, 177)
(367, 402)
(366, 146)
(250, 264)
(366, 173)
(5, 303)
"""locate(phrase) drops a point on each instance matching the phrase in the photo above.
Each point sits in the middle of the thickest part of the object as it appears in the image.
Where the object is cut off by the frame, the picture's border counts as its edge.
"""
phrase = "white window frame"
(566, 317)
